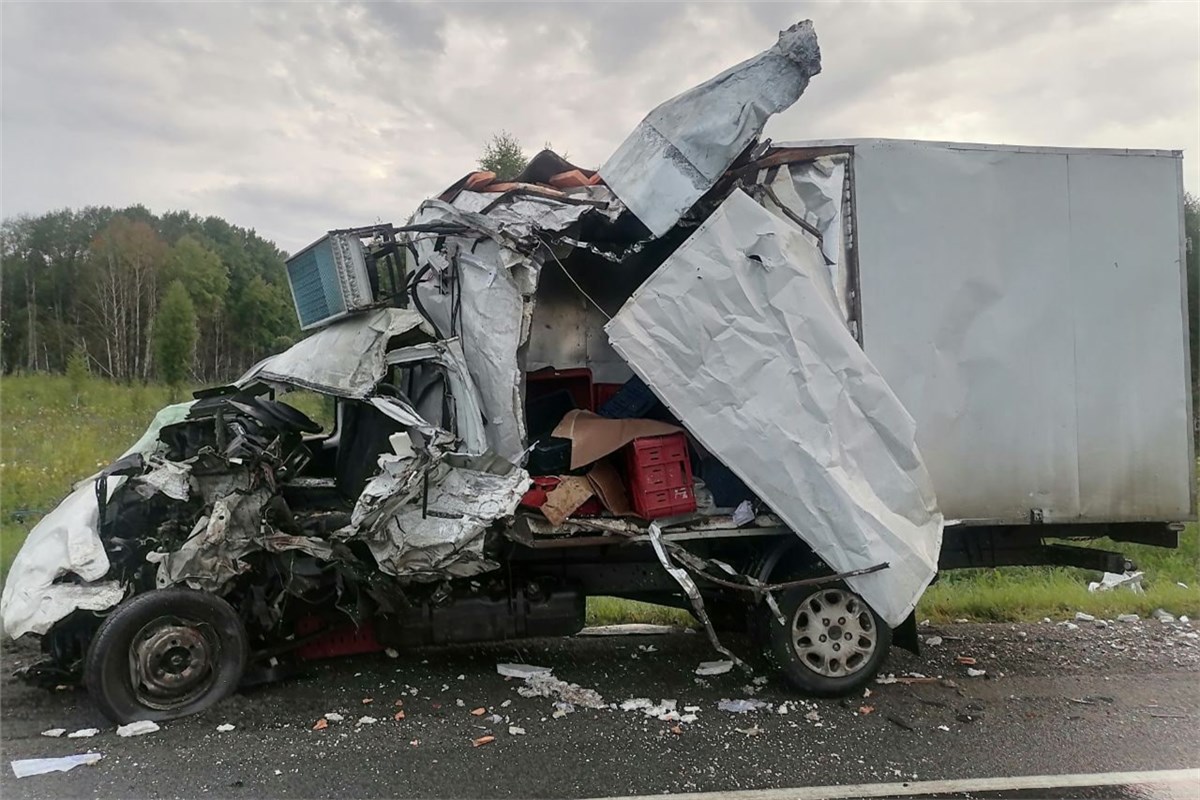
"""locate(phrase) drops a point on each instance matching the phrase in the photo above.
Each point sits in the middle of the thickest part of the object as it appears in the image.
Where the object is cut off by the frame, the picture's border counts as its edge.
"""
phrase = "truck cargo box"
(1028, 307)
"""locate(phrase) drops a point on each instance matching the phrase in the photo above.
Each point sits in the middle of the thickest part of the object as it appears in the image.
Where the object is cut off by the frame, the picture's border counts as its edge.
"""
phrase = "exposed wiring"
(571, 278)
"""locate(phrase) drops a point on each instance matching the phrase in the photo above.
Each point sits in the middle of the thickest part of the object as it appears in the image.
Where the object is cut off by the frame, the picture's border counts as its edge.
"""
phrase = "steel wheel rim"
(833, 633)
(172, 662)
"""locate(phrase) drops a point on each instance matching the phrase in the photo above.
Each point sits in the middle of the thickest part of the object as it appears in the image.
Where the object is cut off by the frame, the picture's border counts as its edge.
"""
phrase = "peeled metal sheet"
(683, 146)
(740, 334)
(346, 359)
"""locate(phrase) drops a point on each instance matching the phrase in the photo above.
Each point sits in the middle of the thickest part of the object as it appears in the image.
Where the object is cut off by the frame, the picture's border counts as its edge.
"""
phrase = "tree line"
(137, 296)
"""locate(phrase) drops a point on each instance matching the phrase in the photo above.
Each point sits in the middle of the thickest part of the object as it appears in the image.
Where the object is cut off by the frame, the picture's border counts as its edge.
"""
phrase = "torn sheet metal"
(67, 541)
(469, 415)
(739, 333)
(442, 535)
(684, 145)
(814, 191)
(346, 359)
(481, 284)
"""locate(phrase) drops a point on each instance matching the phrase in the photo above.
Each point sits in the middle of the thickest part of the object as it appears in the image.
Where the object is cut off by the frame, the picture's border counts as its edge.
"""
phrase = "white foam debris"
(83, 733)
(521, 671)
(714, 667)
(138, 728)
(54, 733)
(225, 727)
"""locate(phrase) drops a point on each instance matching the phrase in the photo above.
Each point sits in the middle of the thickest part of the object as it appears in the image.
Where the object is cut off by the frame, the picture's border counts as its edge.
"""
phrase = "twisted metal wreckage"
(709, 264)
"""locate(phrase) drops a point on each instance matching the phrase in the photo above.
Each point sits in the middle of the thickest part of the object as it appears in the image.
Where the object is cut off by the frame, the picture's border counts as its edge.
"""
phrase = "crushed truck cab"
(707, 374)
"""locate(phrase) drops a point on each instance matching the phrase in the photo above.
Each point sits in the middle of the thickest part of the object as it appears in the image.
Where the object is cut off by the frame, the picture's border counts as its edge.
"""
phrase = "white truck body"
(1028, 307)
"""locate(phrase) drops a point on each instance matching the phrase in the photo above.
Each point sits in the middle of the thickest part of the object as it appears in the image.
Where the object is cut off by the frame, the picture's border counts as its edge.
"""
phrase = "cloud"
(296, 118)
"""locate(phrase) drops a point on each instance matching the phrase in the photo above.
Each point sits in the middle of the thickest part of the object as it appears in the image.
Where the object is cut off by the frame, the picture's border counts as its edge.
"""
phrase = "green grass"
(50, 437)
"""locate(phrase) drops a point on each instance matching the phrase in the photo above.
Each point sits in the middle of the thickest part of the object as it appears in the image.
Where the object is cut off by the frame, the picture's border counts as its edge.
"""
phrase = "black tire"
(165, 654)
(803, 665)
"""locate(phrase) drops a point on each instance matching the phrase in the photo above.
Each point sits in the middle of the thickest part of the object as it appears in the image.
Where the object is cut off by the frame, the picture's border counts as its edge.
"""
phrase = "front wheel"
(831, 642)
(165, 654)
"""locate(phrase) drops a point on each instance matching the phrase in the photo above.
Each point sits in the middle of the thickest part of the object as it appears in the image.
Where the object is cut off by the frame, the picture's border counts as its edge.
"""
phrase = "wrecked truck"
(778, 385)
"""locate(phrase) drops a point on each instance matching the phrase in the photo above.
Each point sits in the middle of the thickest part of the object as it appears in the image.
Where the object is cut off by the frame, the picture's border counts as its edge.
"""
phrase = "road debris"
(865, 710)
(25, 767)
(225, 727)
(975, 673)
(751, 731)
(399, 715)
(714, 667)
(367, 721)
(138, 728)
(321, 724)
(54, 733)
(636, 703)
(1163, 616)
(813, 716)
(516, 730)
(740, 706)
(333, 716)
(521, 671)
(966, 660)
(1128, 618)
(391, 652)
(478, 712)
(83, 733)
(482, 740)
(933, 641)
(1071, 626)
(1082, 617)
(943, 728)
(543, 684)
(1111, 580)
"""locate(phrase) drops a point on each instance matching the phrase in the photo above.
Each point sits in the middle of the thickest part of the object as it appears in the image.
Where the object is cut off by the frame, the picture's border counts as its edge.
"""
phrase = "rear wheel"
(165, 654)
(831, 642)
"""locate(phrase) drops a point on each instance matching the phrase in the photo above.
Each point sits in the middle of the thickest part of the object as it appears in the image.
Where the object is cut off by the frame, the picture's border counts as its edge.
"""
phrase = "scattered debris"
(636, 703)
(975, 673)
(1071, 626)
(366, 701)
(321, 724)
(1111, 580)
(138, 728)
(943, 728)
(482, 740)
(521, 671)
(54, 733)
(516, 730)
(367, 721)
(933, 641)
(391, 652)
(225, 727)
(647, 648)
(546, 685)
(751, 731)
(83, 733)
(714, 667)
(864, 710)
(1181, 584)
(1082, 617)
(1128, 618)
(478, 712)
(333, 716)
(967, 660)
(25, 767)
(961, 620)
(740, 706)
(399, 715)
(1162, 616)
(813, 716)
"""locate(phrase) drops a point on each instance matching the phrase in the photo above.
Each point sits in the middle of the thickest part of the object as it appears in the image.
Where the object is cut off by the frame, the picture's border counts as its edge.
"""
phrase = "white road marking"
(867, 790)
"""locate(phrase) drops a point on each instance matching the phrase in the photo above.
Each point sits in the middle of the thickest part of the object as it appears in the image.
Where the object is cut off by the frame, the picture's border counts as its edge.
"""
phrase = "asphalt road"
(1054, 700)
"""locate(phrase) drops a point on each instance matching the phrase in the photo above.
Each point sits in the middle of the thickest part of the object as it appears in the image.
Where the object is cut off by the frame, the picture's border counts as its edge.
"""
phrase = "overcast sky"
(296, 118)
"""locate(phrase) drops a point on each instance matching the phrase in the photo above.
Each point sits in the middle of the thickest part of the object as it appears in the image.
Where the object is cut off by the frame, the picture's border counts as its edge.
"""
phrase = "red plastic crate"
(660, 476)
(576, 381)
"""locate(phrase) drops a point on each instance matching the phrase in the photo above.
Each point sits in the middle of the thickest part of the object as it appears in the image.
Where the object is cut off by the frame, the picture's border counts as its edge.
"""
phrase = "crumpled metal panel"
(67, 540)
(683, 146)
(346, 359)
(446, 538)
(740, 334)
